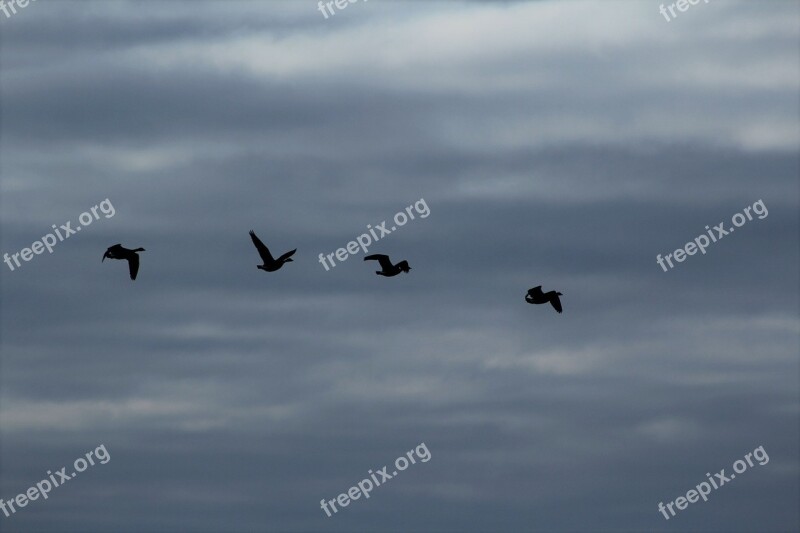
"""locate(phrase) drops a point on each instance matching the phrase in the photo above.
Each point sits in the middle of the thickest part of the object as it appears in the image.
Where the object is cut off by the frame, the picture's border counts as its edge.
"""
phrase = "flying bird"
(536, 296)
(131, 256)
(387, 268)
(270, 263)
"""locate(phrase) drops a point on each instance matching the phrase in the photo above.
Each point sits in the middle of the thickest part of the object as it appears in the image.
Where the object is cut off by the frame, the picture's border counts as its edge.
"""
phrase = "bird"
(270, 264)
(119, 252)
(387, 268)
(536, 296)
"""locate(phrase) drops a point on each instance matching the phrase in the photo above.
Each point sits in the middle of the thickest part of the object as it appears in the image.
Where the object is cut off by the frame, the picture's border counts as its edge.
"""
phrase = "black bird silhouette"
(270, 264)
(536, 296)
(387, 268)
(119, 252)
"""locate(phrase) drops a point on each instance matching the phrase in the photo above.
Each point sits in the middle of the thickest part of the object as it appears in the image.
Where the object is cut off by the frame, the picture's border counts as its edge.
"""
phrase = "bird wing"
(133, 265)
(386, 263)
(556, 302)
(529, 298)
(110, 252)
(286, 256)
(535, 292)
(263, 251)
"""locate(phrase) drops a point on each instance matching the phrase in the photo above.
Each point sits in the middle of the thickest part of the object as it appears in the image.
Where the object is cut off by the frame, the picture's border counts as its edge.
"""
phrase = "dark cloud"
(556, 143)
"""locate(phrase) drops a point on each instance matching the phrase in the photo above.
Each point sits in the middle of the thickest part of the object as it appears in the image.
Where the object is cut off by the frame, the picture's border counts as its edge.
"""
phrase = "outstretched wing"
(535, 292)
(111, 252)
(556, 302)
(133, 265)
(263, 251)
(286, 256)
(386, 263)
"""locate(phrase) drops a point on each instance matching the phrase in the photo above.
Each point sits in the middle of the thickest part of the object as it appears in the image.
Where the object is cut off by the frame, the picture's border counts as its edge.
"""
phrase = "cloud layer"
(562, 144)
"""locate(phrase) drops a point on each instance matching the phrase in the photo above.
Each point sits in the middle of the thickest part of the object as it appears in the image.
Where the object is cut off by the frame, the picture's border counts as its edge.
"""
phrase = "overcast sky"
(556, 143)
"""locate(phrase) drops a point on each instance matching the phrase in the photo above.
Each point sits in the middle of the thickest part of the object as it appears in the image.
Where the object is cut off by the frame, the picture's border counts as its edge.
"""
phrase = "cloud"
(556, 143)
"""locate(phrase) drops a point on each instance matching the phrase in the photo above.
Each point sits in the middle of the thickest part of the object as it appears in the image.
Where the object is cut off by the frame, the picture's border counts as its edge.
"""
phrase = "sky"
(565, 144)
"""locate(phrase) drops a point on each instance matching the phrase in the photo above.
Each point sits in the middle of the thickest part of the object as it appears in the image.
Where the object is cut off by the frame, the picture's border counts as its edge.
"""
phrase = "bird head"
(139, 250)
(404, 266)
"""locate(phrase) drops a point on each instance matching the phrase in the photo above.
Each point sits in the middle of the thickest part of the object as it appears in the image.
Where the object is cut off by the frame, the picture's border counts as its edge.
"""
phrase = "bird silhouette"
(270, 263)
(131, 256)
(387, 268)
(536, 296)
